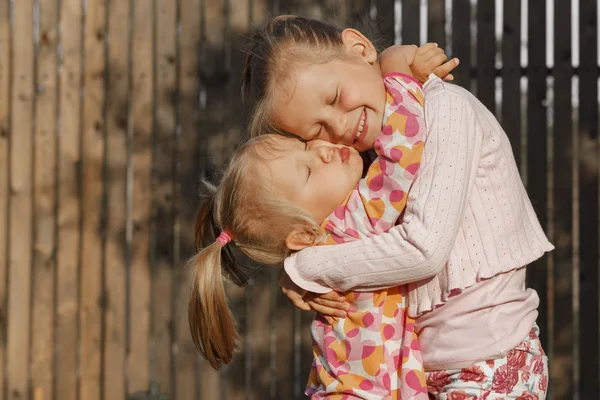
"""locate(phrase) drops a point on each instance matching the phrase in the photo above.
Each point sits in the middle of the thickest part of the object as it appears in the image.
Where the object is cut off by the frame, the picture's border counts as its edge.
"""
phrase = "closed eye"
(317, 132)
(334, 99)
(308, 170)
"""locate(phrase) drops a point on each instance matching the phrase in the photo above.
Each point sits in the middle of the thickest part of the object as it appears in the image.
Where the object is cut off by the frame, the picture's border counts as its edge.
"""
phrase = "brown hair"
(258, 220)
(275, 48)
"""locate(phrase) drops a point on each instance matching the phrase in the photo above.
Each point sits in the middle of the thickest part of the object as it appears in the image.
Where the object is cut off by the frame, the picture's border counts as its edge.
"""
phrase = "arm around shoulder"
(420, 245)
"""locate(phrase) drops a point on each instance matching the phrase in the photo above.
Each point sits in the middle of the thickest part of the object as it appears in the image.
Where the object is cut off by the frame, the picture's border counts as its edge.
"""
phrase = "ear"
(357, 43)
(299, 239)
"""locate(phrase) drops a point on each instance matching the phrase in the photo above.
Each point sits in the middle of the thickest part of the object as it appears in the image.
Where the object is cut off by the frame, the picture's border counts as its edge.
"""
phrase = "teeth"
(361, 125)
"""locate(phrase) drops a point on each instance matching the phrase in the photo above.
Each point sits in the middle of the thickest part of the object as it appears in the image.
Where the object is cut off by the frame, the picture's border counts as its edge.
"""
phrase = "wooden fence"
(111, 111)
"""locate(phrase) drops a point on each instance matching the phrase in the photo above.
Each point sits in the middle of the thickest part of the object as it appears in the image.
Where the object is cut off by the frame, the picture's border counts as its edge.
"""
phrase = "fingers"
(331, 296)
(443, 71)
(329, 304)
(431, 57)
(429, 51)
(297, 300)
(426, 47)
(434, 56)
(301, 304)
(326, 311)
(329, 300)
(337, 305)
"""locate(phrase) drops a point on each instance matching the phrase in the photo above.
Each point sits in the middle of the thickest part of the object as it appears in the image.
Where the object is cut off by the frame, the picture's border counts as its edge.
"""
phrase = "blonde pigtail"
(212, 325)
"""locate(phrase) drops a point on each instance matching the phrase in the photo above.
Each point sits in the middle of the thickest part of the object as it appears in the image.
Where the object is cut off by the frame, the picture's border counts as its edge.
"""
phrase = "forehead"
(277, 158)
(272, 154)
(274, 146)
(303, 94)
(304, 79)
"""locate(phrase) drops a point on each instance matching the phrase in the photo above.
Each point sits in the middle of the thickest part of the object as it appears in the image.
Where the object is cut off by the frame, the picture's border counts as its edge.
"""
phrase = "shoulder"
(442, 97)
(396, 82)
(435, 87)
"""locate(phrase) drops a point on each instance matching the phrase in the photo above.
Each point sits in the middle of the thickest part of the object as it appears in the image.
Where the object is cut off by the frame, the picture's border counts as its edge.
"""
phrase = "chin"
(357, 161)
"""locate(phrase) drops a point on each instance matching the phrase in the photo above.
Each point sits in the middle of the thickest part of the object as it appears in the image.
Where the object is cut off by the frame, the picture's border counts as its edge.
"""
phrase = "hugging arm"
(421, 61)
(419, 247)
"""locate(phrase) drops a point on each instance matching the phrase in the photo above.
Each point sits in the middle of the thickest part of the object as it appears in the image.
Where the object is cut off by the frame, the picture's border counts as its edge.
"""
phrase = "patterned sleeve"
(376, 203)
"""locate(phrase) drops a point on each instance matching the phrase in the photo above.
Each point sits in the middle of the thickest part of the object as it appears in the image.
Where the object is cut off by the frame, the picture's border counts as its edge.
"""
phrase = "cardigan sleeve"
(419, 247)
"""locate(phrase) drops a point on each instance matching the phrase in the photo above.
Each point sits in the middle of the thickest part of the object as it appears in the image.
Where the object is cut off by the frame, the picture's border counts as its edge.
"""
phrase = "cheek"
(354, 97)
(294, 129)
(357, 168)
(369, 141)
(302, 136)
(362, 146)
(282, 121)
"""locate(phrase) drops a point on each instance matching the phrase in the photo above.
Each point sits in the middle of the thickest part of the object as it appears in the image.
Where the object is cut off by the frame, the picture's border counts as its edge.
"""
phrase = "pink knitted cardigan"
(468, 215)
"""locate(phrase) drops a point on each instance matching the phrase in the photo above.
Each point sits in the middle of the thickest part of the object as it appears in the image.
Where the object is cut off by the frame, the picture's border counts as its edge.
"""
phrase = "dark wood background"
(110, 113)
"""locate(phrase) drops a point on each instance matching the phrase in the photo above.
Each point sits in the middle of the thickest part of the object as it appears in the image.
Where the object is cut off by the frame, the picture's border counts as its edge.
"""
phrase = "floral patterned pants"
(521, 375)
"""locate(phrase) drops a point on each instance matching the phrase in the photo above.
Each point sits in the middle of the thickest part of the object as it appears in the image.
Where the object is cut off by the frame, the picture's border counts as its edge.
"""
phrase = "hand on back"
(422, 61)
(329, 304)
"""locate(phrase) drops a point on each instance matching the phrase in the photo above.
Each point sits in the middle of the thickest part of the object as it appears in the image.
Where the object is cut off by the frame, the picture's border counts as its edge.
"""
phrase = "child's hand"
(397, 58)
(329, 304)
(294, 292)
(429, 58)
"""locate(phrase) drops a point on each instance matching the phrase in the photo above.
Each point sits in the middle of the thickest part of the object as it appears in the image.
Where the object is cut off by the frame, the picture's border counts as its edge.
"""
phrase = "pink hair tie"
(224, 238)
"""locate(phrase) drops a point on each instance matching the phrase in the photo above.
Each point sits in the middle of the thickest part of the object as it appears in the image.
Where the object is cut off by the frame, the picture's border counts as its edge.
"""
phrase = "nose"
(338, 127)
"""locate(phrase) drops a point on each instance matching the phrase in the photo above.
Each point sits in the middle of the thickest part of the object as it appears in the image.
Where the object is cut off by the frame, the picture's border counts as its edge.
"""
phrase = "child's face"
(341, 101)
(317, 175)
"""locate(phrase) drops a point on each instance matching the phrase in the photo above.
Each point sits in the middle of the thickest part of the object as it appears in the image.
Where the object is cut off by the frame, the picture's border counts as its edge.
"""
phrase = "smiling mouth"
(362, 122)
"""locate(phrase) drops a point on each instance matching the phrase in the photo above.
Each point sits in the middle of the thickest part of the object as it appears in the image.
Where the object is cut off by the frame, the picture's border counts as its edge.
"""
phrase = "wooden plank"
(44, 261)
(259, 11)
(212, 113)
(233, 386)
(335, 11)
(588, 195)
(164, 130)
(295, 7)
(5, 87)
(461, 41)
(385, 22)
(536, 149)
(511, 77)
(357, 11)
(236, 26)
(284, 361)
(304, 347)
(187, 191)
(561, 363)
(486, 53)
(93, 137)
(114, 340)
(201, 146)
(69, 200)
(139, 292)
(436, 25)
(258, 334)
(411, 22)
(20, 202)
